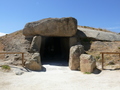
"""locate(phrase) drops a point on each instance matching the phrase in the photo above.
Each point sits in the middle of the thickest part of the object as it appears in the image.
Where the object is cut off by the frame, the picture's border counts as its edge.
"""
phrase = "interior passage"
(54, 49)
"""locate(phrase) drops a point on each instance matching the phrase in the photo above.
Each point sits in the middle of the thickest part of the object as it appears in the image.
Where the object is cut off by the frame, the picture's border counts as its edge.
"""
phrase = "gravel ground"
(59, 78)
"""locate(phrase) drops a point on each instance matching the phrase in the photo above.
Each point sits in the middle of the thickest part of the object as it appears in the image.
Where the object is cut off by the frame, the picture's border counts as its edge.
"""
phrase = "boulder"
(34, 63)
(74, 60)
(98, 35)
(63, 27)
(87, 63)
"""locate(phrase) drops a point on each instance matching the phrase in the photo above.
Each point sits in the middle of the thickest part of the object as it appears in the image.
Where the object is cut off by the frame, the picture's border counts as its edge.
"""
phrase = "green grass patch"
(87, 73)
(5, 67)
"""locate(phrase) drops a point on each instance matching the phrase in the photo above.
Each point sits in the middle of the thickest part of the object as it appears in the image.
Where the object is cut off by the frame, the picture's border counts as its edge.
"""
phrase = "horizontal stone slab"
(98, 35)
(59, 27)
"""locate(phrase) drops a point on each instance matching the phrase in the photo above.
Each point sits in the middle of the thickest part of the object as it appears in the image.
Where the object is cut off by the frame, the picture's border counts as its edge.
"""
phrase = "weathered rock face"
(35, 62)
(62, 27)
(98, 35)
(73, 41)
(36, 57)
(33, 66)
(87, 63)
(36, 43)
(74, 60)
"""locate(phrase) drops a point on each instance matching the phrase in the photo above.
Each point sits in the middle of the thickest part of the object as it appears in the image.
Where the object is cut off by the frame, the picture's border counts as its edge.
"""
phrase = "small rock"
(6, 56)
(19, 73)
(16, 58)
(15, 54)
(111, 63)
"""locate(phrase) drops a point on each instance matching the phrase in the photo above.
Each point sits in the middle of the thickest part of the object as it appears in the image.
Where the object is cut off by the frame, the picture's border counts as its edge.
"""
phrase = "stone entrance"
(52, 39)
(53, 48)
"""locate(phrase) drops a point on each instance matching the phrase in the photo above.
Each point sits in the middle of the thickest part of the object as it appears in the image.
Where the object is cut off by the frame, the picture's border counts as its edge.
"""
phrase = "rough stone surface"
(35, 62)
(87, 63)
(98, 35)
(73, 41)
(36, 43)
(75, 52)
(19, 73)
(36, 57)
(33, 65)
(52, 27)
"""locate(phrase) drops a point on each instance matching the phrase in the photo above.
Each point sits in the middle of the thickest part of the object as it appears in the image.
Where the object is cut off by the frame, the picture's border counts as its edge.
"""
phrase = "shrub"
(85, 26)
(97, 57)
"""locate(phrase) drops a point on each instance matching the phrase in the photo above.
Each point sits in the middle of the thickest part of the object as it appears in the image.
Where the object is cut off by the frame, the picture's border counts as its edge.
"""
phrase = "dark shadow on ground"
(20, 68)
(43, 70)
(113, 69)
(96, 71)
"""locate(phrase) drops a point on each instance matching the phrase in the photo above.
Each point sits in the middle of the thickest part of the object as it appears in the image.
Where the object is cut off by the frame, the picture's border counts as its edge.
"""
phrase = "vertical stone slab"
(72, 41)
(87, 63)
(74, 57)
(36, 44)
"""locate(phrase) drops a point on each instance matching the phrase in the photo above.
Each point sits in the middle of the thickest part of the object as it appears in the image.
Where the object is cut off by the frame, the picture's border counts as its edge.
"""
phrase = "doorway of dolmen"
(55, 51)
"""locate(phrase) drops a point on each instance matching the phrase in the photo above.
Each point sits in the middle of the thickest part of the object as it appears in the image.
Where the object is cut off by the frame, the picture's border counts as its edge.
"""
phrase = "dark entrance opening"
(55, 50)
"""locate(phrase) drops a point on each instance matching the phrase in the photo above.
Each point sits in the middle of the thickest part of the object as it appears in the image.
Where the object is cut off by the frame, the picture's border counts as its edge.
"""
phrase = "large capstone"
(59, 27)
(97, 35)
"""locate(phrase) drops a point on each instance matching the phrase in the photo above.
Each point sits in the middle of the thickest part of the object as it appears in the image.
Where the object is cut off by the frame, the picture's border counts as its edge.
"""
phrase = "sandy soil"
(59, 78)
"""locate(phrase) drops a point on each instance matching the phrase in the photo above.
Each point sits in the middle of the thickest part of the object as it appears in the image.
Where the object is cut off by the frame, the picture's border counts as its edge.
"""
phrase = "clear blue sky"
(14, 14)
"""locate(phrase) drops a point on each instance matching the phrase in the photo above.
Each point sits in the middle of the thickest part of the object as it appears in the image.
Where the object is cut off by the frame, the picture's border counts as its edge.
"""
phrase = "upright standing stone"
(87, 63)
(74, 60)
(36, 44)
(72, 41)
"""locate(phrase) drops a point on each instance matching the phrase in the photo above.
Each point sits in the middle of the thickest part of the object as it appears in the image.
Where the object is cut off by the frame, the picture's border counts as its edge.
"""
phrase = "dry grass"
(98, 29)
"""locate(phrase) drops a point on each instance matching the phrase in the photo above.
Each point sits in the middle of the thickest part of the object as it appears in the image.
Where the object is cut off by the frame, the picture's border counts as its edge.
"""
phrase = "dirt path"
(60, 78)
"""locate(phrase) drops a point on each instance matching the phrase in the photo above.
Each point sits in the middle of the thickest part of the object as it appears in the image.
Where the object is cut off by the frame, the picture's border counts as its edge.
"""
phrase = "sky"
(2, 34)
(14, 14)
